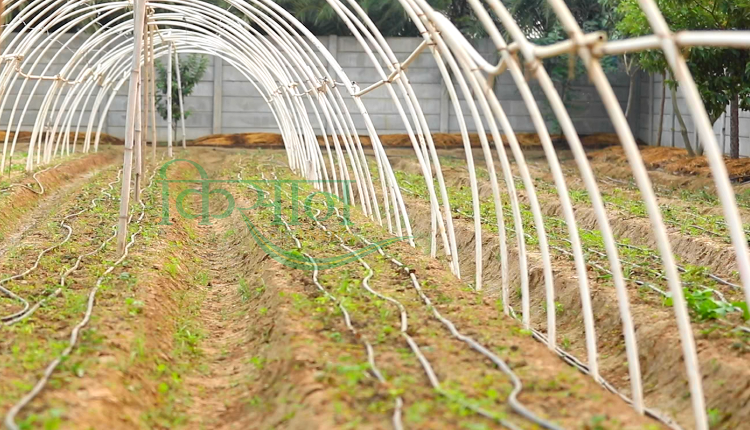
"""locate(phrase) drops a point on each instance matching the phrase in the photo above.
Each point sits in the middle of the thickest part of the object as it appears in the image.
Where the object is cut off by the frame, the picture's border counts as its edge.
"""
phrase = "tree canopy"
(540, 24)
(388, 15)
(720, 73)
(192, 69)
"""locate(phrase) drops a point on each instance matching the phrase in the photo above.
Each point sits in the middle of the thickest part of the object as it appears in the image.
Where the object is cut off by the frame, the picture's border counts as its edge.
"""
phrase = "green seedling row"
(639, 263)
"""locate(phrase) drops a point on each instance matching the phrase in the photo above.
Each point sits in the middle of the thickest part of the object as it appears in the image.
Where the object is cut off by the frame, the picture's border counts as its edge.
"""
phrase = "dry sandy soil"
(201, 326)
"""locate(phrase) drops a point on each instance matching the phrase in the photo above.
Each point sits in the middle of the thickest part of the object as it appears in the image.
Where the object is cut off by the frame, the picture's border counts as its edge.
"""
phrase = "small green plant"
(202, 278)
(258, 362)
(172, 267)
(138, 349)
(244, 290)
(565, 342)
(135, 307)
(559, 308)
(715, 418)
(597, 422)
(579, 196)
(188, 339)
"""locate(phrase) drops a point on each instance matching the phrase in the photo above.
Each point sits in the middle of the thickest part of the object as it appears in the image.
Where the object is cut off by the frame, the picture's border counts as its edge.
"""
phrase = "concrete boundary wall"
(649, 112)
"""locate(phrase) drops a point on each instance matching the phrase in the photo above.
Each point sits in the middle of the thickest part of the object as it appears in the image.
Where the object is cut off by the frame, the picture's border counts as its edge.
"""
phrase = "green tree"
(322, 19)
(389, 16)
(192, 69)
(722, 75)
(621, 26)
(630, 61)
(540, 24)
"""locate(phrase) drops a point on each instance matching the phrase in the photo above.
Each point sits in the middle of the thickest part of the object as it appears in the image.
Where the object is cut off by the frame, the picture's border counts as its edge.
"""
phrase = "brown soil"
(133, 357)
(201, 329)
(536, 366)
(442, 140)
(249, 140)
(25, 137)
(600, 140)
(675, 161)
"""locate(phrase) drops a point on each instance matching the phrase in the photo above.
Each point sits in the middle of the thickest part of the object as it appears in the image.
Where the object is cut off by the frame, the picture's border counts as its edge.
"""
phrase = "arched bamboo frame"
(289, 67)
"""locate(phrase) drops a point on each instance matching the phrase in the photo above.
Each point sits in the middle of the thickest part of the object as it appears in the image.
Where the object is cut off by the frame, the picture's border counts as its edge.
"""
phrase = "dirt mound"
(442, 140)
(675, 161)
(25, 137)
(454, 140)
(600, 140)
(242, 140)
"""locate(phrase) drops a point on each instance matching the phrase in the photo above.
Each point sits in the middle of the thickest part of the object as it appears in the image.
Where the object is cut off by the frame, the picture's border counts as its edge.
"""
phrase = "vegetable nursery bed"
(199, 328)
(722, 347)
(26, 199)
(33, 341)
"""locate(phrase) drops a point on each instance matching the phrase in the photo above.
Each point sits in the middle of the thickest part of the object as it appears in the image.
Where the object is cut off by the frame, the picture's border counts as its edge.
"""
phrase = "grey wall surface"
(242, 109)
(650, 107)
(21, 98)
(226, 102)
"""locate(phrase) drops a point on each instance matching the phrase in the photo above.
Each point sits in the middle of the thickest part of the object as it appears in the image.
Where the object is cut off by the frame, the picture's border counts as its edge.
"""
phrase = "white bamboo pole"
(135, 72)
(449, 85)
(45, 111)
(100, 93)
(152, 97)
(169, 100)
(562, 190)
(290, 23)
(138, 135)
(423, 130)
(179, 95)
(145, 97)
(35, 52)
(410, 131)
